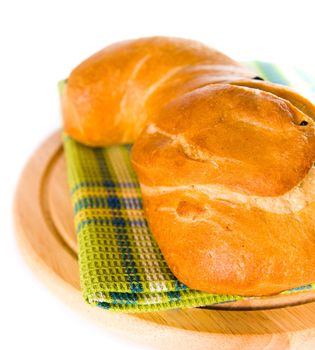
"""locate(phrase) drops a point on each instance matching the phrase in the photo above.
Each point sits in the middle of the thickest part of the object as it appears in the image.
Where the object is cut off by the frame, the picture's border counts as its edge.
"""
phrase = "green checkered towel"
(121, 265)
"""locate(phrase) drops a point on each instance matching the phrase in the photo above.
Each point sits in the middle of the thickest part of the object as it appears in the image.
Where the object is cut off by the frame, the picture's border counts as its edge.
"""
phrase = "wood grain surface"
(46, 237)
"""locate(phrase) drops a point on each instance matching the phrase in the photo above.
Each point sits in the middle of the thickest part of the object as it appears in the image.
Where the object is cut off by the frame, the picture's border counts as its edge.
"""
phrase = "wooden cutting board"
(46, 236)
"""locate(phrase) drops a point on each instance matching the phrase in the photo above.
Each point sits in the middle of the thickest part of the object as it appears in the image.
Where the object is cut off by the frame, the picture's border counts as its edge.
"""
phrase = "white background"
(40, 42)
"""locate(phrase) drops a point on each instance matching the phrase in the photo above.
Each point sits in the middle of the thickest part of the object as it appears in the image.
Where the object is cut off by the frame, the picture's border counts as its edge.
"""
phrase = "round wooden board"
(45, 232)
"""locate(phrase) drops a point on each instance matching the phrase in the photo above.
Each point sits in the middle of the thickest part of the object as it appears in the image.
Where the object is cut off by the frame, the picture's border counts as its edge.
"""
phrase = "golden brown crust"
(284, 92)
(220, 247)
(106, 95)
(230, 135)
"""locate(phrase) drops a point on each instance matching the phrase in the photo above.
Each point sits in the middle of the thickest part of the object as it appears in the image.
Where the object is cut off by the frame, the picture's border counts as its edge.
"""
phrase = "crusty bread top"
(110, 96)
(246, 139)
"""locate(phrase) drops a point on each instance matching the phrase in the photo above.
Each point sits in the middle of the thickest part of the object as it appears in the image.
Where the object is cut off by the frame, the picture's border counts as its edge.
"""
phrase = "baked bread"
(109, 97)
(228, 182)
(225, 162)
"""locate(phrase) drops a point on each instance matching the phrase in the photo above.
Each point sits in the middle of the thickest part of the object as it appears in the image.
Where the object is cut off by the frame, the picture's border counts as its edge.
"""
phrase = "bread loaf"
(228, 184)
(109, 97)
(225, 162)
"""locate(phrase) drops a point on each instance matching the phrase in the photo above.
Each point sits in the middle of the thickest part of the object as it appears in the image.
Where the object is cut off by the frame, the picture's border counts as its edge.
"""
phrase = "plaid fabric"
(121, 265)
